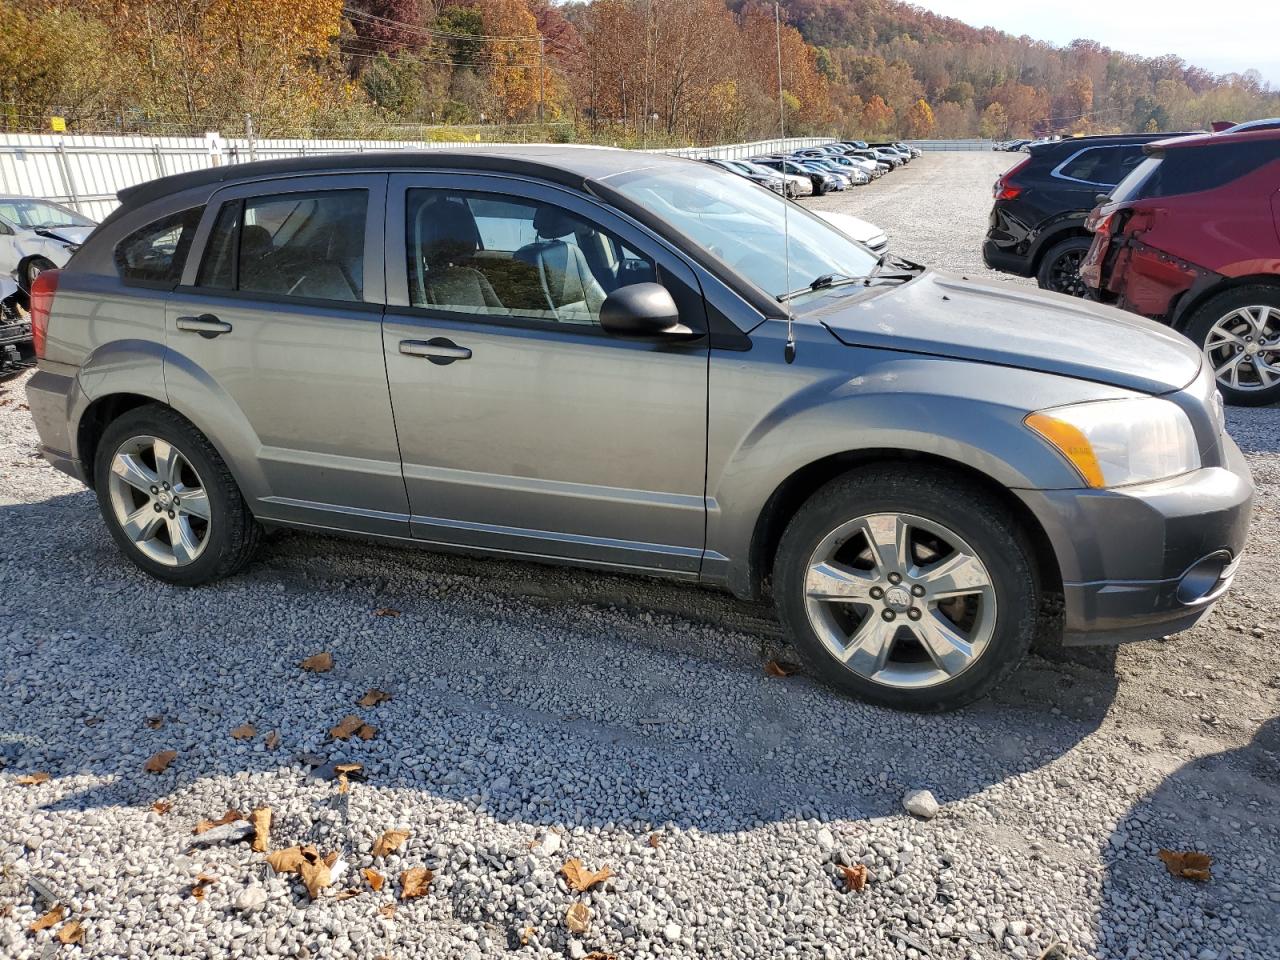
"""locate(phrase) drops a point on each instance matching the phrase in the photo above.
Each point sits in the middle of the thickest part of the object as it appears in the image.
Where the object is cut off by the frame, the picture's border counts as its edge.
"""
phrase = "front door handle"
(207, 325)
(439, 350)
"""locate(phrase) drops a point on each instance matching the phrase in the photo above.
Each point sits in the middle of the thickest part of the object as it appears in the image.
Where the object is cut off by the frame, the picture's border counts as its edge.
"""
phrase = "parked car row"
(830, 167)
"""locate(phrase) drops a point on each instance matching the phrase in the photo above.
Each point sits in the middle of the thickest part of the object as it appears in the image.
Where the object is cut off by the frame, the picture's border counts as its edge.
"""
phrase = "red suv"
(1192, 238)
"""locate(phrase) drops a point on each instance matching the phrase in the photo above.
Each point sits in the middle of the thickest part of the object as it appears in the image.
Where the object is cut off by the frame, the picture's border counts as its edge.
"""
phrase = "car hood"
(72, 235)
(865, 233)
(966, 319)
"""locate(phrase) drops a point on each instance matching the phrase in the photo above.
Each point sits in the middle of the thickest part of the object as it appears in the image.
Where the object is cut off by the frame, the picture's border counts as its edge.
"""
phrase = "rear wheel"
(1239, 331)
(907, 588)
(1060, 269)
(169, 501)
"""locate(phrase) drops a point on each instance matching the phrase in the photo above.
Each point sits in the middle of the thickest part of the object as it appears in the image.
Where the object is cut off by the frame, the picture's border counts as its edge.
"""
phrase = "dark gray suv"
(609, 359)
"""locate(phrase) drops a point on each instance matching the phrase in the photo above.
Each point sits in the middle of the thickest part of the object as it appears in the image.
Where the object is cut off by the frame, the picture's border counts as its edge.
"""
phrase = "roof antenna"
(789, 351)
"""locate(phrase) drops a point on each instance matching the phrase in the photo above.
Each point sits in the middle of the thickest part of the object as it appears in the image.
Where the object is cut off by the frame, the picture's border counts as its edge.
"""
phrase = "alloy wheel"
(159, 501)
(1244, 348)
(1064, 275)
(900, 600)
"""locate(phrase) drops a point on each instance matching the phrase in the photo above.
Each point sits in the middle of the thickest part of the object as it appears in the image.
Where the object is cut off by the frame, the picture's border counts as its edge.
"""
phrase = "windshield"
(742, 224)
(34, 214)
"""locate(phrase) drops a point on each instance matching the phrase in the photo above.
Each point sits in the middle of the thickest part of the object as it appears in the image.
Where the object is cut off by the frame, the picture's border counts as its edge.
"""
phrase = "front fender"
(769, 420)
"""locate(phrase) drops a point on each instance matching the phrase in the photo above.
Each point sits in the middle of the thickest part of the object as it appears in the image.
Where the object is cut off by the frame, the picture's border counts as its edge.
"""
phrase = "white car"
(37, 235)
(867, 234)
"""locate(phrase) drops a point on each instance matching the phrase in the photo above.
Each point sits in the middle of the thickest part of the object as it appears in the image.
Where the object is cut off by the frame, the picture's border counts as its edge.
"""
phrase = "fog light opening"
(1203, 579)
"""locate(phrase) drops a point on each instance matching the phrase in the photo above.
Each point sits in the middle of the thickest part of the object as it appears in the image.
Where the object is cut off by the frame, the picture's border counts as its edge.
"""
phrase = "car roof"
(1213, 139)
(1041, 148)
(1261, 123)
(568, 164)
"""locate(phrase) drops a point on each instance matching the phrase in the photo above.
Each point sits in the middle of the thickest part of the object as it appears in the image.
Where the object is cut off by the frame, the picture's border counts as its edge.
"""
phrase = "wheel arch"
(791, 494)
(1193, 299)
(97, 416)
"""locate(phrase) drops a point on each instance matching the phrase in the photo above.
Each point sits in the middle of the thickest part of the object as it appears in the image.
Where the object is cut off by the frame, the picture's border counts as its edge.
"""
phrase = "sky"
(1228, 36)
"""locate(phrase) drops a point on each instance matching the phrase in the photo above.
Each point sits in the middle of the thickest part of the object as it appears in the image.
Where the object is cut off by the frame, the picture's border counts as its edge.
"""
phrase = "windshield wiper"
(824, 282)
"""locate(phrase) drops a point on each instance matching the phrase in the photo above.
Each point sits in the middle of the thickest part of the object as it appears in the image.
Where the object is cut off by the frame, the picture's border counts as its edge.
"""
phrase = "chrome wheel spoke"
(830, 581)
(168, 462)
(943, 642)
(954, 576)
(134, 472)
(193, 501)
(143, 524)
(889, 538)
(868, 649)
(185, 543)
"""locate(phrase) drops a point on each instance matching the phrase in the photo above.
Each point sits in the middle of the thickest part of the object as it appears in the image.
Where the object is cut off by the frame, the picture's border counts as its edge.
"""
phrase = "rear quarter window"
(155, 254)
(1196, 169)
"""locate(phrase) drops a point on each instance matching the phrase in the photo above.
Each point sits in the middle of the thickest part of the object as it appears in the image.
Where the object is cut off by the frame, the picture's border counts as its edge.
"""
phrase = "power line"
(374, 19)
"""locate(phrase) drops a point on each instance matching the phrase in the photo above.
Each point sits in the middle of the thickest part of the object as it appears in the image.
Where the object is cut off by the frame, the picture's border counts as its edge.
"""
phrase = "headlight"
(1116, 442)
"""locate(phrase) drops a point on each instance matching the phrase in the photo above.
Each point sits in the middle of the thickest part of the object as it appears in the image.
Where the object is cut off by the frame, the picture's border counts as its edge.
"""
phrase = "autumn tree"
(994, 123)
(919, 120)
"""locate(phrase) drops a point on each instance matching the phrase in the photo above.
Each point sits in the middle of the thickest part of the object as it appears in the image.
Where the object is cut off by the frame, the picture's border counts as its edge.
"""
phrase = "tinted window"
(308, 245)
(507, 256)
(156, 253)
(1193, 169)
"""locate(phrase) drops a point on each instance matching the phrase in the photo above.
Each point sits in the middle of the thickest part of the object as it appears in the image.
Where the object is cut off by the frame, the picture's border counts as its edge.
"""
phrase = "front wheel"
(1060, 269)
(907, 588)
(1239, 331)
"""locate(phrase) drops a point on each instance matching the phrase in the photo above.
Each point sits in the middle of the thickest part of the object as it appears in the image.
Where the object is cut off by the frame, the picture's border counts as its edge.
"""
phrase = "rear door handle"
(207, 325)
(439, 350)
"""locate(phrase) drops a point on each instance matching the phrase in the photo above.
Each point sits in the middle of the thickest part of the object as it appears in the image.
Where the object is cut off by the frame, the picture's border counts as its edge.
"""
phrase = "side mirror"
(643, 311)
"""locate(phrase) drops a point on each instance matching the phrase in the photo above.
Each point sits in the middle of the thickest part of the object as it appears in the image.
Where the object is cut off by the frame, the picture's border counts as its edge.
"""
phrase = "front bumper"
(1146, 561)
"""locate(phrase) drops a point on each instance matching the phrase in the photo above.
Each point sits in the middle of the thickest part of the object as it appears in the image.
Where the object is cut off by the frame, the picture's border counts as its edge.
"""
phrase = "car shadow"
(513, 685)
(1223, 804)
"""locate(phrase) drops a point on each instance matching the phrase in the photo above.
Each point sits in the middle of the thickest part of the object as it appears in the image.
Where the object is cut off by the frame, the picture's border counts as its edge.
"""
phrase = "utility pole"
(248, 135)
(777, 37)
(542, 86)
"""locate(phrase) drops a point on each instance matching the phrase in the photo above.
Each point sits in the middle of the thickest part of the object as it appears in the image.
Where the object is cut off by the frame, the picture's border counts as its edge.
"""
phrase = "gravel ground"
(539, 715)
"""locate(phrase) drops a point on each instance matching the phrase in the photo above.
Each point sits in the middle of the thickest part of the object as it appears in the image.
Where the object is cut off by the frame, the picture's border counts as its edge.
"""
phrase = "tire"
(994, 620)
(1250, 314)
(1060, 267)
(177, 544)
(32, 269)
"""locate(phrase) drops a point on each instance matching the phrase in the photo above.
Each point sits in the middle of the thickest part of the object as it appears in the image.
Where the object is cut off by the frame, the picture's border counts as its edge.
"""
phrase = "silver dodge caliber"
(640, 363)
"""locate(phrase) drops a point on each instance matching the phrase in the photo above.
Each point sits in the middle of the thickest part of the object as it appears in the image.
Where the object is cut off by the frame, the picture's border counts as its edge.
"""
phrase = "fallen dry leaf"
(32, 779)
(203, 882)
(525, 936)
(581, 879)
(318, 663)
(386, 612)
(70, 933)
(389, 842)
(414, 882)
(49, 919)
(855, 877)
(388, 910)
(346, 894)
(231, 816)
(600, 955)
(273, 740)
(350, 726)
(1187, 864)
(246, 731)
(779, 668)
(578, 919)
(374, 879)
(93, 721)
(287, 860)
(159, 762)
(154, 723)
(315, 875)
(162, 807)
(345, 771)
(372, 697)
(655, 840)
(261, 820)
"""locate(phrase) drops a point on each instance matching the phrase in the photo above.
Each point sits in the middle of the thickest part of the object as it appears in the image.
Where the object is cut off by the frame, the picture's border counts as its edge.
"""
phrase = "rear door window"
(304, 245)
(155, 254)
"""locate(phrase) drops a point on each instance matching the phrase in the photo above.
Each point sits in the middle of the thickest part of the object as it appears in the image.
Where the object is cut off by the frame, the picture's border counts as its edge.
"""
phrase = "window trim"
(1057, 173)
(374, 293)
(532, 191)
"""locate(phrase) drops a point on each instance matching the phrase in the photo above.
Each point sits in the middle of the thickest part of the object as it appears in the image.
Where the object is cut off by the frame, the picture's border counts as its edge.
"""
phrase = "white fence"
(950, 145)
(85, 172)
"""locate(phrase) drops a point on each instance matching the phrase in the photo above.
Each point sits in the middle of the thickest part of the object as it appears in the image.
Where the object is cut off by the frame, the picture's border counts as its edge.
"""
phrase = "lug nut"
(158, 508)
(914, 613)
(895, 578)
(172, 515)
(876, 593)
(165, 485)
(917, 591)
(155, 489)
(888, 614)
